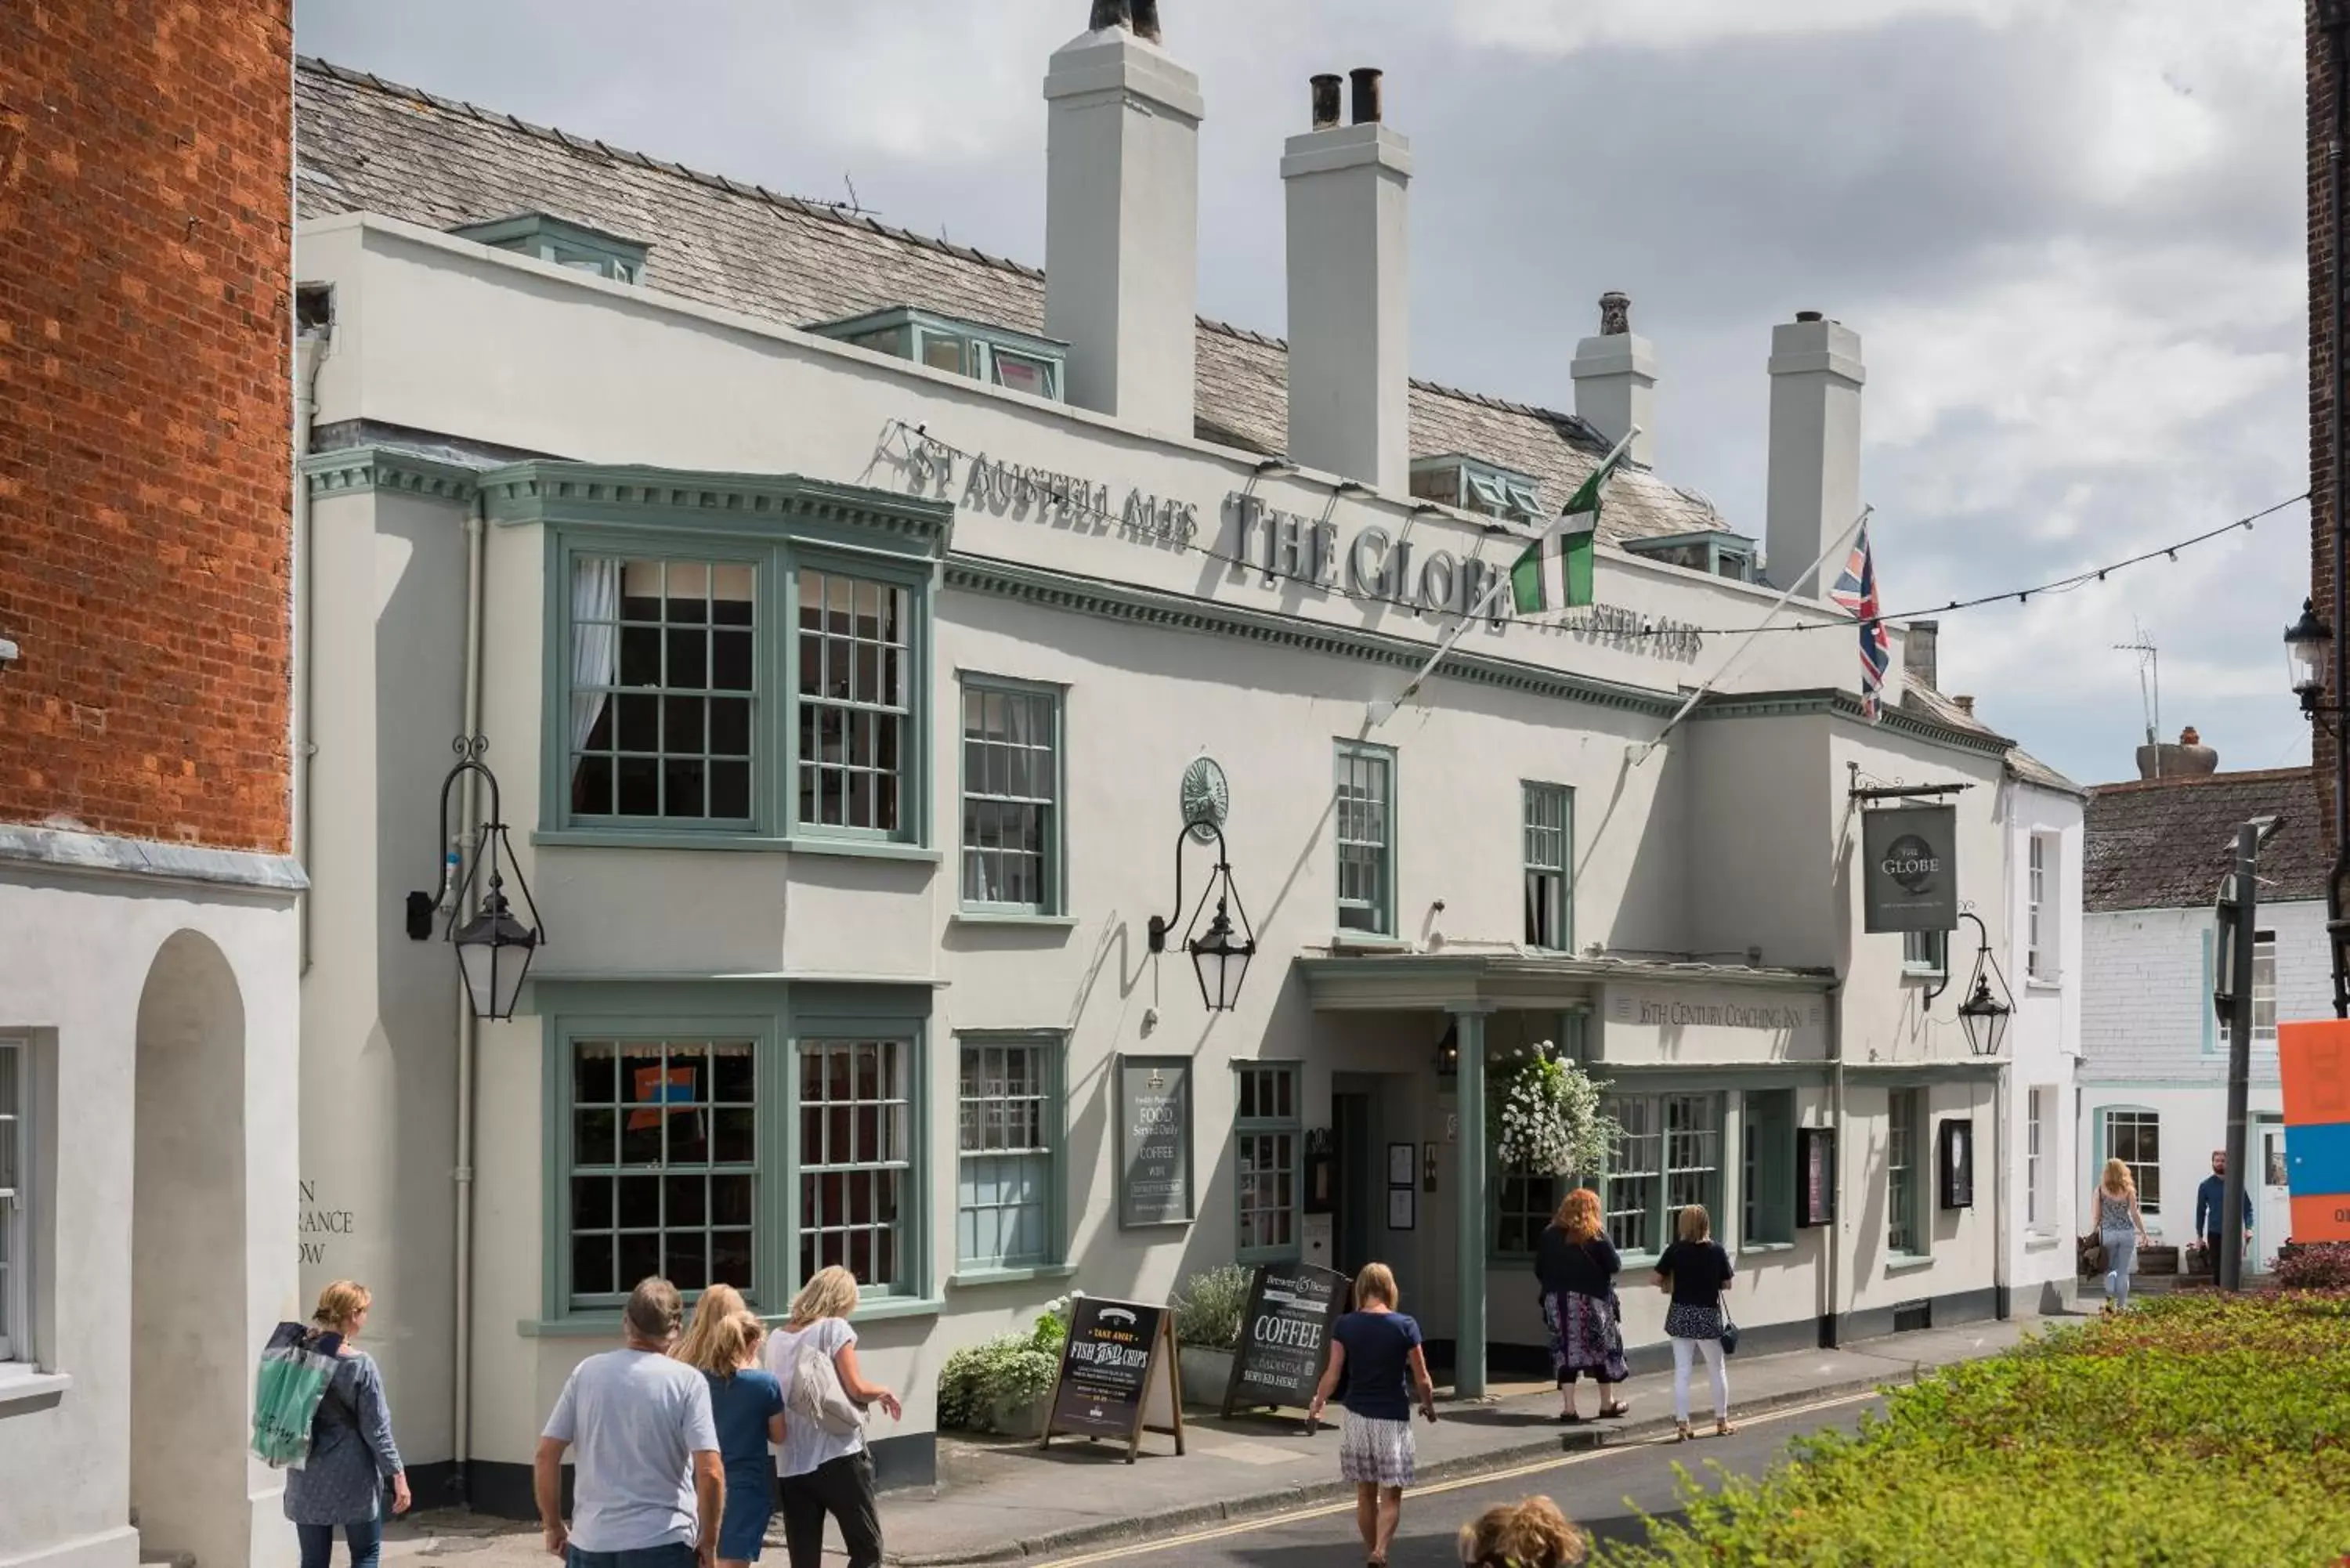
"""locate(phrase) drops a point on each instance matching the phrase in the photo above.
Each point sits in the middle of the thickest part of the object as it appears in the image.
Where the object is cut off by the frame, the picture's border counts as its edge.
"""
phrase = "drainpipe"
(1832, 1324)
(462, 1403)
(2334, 16)
(309, 349)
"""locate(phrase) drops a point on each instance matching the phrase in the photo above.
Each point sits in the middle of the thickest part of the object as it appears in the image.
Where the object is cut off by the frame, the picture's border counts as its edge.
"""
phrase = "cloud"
(2069, 231)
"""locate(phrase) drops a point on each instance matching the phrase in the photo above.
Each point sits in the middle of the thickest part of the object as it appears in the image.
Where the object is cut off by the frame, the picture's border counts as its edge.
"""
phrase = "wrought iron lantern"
(494, 946)
(1221, 944)
(2308, 650)
(1983, 1015)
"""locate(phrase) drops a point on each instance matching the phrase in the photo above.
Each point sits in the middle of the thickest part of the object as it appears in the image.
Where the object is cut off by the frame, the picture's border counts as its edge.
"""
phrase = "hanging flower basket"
(1546, 1116)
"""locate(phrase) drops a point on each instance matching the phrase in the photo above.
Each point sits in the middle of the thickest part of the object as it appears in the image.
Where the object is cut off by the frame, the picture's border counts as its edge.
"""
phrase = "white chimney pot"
(1122, 226)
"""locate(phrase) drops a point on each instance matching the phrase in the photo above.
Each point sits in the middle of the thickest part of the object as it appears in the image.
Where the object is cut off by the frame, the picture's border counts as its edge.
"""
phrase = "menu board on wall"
(1154, 1140)
(1117, 1373)
(1284, 1337)
(1815, 1176)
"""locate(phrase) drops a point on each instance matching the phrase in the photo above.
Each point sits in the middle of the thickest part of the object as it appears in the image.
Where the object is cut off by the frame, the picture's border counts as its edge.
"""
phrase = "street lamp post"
(2311, 650)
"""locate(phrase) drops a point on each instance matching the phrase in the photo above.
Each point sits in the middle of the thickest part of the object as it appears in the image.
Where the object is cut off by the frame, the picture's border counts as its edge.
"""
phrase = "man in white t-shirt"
(649, 1489)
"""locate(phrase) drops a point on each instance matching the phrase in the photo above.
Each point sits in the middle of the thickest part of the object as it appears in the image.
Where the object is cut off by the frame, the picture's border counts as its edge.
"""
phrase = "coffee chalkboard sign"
(1284, 1337)
(1118, 1375)
(1154, 1140)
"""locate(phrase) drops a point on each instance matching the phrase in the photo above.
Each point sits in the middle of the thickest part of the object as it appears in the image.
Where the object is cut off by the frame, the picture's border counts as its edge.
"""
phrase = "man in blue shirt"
(2211, 1201)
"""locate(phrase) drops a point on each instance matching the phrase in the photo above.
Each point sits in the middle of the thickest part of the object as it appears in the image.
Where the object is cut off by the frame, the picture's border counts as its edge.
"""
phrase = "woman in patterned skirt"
(1695, 1273)
(1375, 1348)
(1576, 1267)
(352, 1456)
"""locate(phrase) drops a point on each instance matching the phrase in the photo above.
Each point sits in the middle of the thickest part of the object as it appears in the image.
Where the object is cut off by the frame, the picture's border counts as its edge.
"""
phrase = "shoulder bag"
(816, 1393)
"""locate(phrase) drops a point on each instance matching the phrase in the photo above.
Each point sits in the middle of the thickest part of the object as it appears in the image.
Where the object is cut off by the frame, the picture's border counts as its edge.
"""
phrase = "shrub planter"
(2158, 1261)
(1019, 1420)
(1206, 1373)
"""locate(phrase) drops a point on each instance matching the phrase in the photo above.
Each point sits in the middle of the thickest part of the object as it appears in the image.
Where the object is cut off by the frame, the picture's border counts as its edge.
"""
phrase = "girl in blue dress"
(747, 1406)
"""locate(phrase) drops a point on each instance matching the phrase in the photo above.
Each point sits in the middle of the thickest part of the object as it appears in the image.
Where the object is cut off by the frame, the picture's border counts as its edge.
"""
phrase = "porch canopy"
(1474, 986)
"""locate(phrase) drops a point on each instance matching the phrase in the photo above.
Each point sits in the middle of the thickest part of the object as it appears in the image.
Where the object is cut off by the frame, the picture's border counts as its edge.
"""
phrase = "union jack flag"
(1857, 592)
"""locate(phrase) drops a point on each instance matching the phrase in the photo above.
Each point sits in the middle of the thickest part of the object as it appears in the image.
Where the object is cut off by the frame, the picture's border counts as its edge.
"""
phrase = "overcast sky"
(2070, 232)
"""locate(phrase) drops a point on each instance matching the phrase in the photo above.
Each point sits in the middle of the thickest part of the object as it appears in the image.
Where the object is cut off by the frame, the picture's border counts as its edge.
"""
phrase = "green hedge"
(2195, 1429)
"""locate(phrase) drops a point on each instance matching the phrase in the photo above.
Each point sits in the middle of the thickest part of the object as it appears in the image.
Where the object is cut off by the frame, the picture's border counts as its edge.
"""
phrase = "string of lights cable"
(2063, 585)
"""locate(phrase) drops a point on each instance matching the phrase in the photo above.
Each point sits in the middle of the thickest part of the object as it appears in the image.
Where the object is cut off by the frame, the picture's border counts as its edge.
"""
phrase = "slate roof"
(1923, 701)
(2158, 843)
(363, 144)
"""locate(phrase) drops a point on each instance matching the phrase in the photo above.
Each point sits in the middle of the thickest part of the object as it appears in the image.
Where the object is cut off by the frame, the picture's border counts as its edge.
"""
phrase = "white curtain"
(595, 643)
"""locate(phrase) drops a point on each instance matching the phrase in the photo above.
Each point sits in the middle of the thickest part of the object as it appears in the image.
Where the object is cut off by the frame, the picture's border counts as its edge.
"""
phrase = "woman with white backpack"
(823, 1463)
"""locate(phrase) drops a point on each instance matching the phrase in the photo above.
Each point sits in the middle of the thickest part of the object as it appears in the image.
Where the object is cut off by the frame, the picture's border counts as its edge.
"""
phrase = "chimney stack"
(1122, 218)
(1349, 380)
(1616, 380)
(2190, 758)
(1814, 464)
(1918, 655)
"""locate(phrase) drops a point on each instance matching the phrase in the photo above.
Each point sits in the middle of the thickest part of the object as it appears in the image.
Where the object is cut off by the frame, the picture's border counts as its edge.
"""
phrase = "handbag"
(2093, 1253)
(1729, 1331)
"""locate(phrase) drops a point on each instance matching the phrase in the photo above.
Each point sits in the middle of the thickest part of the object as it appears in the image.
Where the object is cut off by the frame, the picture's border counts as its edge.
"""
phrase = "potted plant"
(1003, 1385)
(1208, 1330)
(1546, 1114)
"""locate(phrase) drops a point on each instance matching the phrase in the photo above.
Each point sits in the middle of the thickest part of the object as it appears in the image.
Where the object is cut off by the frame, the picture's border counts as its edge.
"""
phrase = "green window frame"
(1364, 832)
(999, 355)
(1926, 953)
(1905, 1174)
(837, 696)
(1010, 1152)
(1521, 1206)
(2133, 1135)
(1549, 848)
(566, 244)
(1667, 1154)
(1767, 1168)
(1268, 1138)
(15, 1210)
(1015, 778)
(718, 1131)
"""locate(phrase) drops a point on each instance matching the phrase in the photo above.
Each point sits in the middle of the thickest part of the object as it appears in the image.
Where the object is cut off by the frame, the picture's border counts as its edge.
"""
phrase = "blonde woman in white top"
(826, 1472)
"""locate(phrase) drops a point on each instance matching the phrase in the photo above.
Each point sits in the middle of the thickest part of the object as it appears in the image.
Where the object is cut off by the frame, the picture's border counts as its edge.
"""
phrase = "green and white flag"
(1555, 571)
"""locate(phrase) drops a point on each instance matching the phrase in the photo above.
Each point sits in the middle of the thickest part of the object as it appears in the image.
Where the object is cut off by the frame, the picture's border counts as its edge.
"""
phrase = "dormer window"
(1475, 485)
(996, 354)
(566, 244)
(1716, 553)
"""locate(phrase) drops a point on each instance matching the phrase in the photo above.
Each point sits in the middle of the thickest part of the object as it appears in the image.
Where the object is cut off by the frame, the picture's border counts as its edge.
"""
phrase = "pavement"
(1001, 1499)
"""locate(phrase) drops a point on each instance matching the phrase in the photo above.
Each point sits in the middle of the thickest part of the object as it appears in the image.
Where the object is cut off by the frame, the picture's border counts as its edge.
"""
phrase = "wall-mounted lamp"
(494, 948)
(1221, 949)
(1981, 1015)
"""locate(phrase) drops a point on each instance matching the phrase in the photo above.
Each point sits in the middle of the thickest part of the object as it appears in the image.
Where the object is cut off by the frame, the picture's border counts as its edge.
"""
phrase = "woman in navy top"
(746, 1405)
(1375, 1348)
(1696, 1271)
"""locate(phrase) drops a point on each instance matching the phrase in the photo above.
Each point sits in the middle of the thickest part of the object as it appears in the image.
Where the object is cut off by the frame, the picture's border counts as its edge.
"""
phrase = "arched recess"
(189, 1379)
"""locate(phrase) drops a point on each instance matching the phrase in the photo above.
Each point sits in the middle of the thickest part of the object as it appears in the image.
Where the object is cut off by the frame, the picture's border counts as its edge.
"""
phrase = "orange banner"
(2323, 1217)
(2313, 1059)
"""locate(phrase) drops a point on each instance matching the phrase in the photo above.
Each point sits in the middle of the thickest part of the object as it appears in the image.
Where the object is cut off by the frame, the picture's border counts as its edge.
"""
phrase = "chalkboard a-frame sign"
(1285, 1344)
(1119, 1376)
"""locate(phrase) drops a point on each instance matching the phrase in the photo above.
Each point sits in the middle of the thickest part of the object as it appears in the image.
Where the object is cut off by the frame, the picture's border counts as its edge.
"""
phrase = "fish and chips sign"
(1273, 545)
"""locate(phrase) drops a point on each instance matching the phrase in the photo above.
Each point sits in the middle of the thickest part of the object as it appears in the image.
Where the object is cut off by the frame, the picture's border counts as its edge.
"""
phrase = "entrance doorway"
(2271, 1202)
(1355, 1131)
(189, 1341)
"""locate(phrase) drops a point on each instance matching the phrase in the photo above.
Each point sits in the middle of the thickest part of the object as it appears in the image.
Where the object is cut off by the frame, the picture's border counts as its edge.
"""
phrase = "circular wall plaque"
(1207, 799)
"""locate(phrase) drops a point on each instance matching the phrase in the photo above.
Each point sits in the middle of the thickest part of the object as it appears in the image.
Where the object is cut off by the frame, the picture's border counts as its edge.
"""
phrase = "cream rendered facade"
(678, 427)
(153, 1167)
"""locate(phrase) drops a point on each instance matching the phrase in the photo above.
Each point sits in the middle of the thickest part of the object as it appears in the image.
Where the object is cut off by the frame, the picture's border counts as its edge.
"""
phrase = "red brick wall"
(145, 274)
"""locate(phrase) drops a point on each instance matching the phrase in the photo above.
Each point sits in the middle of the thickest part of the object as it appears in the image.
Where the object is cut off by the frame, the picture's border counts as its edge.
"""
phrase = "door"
(1359, 1182)
(2271, 1202)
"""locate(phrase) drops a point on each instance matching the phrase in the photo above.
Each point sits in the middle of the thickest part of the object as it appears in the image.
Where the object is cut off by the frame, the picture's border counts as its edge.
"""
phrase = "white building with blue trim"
(849, 615)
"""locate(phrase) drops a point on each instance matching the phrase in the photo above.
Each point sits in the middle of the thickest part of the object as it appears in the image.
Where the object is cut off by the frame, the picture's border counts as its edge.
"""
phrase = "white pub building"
(856, 621)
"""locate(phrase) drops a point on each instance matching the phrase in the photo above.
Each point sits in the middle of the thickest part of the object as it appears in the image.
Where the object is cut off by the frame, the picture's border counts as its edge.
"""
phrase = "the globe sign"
(1910, 861)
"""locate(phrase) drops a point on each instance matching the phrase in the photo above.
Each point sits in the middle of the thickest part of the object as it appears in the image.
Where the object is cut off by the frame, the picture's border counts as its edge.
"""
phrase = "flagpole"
(1381, 712)
(1639, 751)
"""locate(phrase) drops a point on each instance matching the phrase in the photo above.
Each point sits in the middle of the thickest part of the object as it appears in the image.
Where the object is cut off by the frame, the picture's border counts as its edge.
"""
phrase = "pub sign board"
(1909, 881)
(1118, 1377)
(1154, 1140)
(1284, 1337)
